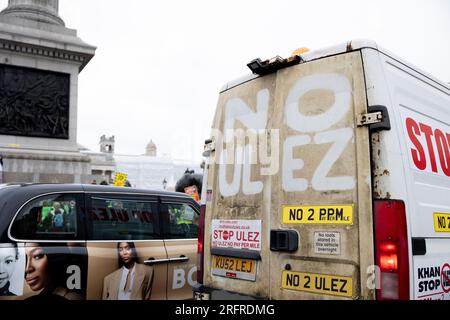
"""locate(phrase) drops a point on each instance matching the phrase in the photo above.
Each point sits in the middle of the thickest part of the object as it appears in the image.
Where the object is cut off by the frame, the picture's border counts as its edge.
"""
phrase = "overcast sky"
(160, 64)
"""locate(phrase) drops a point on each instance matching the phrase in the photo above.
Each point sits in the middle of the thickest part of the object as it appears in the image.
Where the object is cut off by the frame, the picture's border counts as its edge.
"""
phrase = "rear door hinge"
(209, 147)
(377, 118)
(369, 118)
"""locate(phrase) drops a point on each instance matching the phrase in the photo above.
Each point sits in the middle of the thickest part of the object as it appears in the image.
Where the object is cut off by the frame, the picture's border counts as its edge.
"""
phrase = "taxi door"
(113, 218)
(180, 217)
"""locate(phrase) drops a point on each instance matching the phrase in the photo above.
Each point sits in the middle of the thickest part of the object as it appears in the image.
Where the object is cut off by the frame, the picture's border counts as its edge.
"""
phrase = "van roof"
(340, 48)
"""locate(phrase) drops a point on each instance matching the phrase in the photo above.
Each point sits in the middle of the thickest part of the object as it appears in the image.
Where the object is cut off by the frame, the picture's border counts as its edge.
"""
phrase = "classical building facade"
(146, 171)
(40, 59)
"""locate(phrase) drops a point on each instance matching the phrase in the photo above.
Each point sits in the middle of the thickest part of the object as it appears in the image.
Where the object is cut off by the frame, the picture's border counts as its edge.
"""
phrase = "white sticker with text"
(327, 242)
(236, 234)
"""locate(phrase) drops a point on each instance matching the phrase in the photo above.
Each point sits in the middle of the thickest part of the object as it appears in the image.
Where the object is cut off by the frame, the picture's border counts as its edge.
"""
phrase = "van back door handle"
(153, 261)
(283, 240)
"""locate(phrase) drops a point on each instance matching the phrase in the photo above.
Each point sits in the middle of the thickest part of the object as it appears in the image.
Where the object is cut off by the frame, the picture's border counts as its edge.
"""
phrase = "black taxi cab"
(96, 242)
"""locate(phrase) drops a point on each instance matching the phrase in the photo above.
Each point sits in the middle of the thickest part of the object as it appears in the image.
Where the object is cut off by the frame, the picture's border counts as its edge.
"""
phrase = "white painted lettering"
(320, 181)
(290, 164)
(341, 88)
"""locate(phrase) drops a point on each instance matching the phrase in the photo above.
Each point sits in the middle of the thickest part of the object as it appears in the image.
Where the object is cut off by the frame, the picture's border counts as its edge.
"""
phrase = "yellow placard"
(319, 214)
(441, 222)
(317, 283)
(121, 176)
(120, 179)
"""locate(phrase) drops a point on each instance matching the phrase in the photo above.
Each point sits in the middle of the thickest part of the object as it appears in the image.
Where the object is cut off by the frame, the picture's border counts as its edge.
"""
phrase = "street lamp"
(164, 183)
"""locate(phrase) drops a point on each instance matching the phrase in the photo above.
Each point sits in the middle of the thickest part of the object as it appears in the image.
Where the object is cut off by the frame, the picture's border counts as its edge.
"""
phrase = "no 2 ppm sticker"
(318, 214)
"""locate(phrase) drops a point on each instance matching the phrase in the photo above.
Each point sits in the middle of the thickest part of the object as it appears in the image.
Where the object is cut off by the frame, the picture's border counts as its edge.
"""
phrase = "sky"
(160, 64)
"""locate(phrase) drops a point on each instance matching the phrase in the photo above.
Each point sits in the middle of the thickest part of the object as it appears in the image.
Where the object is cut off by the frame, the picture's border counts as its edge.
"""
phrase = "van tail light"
(391, 250)
(201, 236)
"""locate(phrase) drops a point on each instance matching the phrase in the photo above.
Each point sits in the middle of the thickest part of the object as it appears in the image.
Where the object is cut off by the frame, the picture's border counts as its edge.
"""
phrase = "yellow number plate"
(441, 222)
(234, 268)
(335, 214)
(317, 283)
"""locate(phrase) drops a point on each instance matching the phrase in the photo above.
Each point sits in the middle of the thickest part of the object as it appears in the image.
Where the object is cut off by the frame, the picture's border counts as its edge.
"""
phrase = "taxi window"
(52, 217)
(123, 219)
(183, 221)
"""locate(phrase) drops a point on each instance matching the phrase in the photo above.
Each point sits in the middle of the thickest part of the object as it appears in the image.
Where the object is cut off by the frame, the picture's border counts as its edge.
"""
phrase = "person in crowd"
(191, 184)
(58, 217)
(132, 281)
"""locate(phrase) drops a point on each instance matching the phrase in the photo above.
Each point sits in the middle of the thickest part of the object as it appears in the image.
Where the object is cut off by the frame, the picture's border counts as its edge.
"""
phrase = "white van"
(328, 178)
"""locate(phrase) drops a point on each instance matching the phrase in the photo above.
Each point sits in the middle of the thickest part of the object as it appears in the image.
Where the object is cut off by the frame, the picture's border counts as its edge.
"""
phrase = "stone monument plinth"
(40, 60)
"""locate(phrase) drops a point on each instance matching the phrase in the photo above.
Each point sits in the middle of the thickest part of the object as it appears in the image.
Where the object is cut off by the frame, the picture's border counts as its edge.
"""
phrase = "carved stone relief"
(34, 102)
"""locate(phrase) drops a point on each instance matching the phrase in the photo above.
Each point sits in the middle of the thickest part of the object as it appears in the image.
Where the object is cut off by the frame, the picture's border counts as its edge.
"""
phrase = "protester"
(191, 184)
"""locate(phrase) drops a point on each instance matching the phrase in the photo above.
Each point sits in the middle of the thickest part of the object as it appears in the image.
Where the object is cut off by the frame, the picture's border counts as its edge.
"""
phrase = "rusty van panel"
(312, 176)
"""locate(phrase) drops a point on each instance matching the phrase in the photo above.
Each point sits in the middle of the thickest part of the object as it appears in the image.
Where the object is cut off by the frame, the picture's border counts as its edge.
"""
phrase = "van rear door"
(297, 200)
(323, 191)
(238, 202)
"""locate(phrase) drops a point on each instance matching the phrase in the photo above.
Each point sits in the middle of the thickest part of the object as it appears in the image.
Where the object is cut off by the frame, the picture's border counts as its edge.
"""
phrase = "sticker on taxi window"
(320, 214)
(317, 283)
(441, 222)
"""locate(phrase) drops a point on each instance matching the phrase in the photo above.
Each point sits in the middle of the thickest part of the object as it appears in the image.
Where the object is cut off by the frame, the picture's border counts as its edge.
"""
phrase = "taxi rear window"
(51, 217)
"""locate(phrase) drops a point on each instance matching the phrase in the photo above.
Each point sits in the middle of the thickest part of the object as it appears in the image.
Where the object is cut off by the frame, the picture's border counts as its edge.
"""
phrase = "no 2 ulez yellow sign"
(318, 214)
(441, 222)
(317, 283)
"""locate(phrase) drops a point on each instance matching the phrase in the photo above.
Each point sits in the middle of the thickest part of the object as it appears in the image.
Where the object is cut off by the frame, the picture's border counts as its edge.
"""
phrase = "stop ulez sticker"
(236, 234)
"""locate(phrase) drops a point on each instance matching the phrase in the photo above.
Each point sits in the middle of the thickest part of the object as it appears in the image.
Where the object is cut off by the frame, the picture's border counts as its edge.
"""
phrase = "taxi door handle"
(152, 261)
(180, 259)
